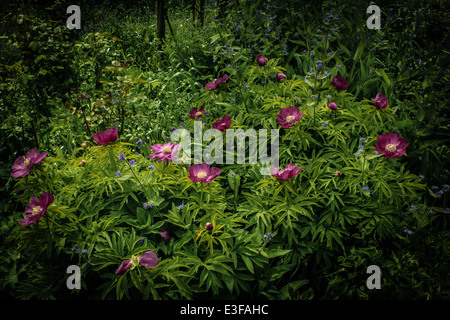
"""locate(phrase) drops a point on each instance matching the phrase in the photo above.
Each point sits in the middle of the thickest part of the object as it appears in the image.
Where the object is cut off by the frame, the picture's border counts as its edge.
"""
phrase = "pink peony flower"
(222, 124)
(287, 173)
(203, 173)
(380, 101)
(391, 145)
(149, 259)
(37, 208)
(213, 85)
(281, 76)
(332, 106)
(261, 60)
(166, 152)
(288, 116)
(196, 114)
(22, 166)
(105, 137)
(165, 235)
(339, 82)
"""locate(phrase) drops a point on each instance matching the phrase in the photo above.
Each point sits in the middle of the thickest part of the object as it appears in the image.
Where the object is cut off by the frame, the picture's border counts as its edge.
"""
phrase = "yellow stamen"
(201, 175)
(26, 163)
(36, 210)
(290, 118)
(166, 149)
(391, 148)
(198, 114)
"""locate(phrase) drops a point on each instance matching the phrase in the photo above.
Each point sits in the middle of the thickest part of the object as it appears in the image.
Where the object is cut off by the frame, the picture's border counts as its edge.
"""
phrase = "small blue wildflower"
(324, 124)
(117, 173)
(142, 240)
(365, 188)
(338, 66)
(413, 207)
(121, 156)
(421, 176)
(439, 193)
(151, 166)
(181, 206)
(375, 153)
(75, 248)
(132, 162)
(84, 251)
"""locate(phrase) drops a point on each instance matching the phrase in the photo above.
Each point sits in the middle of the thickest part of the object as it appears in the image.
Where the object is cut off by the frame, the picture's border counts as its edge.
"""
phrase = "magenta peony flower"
(337, 173)
(203, 173)
(149, 259)
(287, 173)
(196, 114)
(380, 101)
(281, 76)
(37, 208)
(332, 106)
(22, 166)
(166, 152)
(124, 267)
(261, 60)
(288, 116)
(165, 235)
(339, 82)
(213, 85)
(222, 124)
(105, 137)
(391, 145)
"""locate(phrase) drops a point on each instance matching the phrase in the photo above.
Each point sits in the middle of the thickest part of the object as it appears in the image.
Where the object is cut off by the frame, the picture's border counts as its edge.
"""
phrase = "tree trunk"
(202, 5)
(160, 20)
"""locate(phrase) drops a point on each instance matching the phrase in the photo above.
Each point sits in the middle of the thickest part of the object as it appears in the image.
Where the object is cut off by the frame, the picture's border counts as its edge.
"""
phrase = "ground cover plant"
(95, 120)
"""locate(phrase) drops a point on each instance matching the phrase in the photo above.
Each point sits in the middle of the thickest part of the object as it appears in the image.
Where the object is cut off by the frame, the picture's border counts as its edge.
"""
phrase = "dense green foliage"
(309, 237)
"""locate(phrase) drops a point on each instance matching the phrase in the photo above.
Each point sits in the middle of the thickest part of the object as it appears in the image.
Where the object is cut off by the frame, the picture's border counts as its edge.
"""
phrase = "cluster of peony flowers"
(391, 145)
